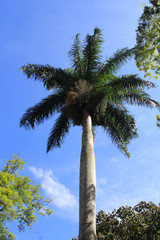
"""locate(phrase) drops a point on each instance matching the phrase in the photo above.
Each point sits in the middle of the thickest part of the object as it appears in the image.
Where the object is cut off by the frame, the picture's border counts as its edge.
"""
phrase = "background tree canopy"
(148, 40)
(19, 199)
(141, 222)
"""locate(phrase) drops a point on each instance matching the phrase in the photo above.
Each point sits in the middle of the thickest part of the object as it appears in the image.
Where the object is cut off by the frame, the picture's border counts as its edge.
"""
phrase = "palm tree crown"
(93, 84)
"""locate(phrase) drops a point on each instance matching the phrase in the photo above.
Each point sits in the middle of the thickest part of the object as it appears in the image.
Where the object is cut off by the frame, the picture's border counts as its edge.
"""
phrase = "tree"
(141, 222)
(88, 95)
(147, 54)
(19, 199)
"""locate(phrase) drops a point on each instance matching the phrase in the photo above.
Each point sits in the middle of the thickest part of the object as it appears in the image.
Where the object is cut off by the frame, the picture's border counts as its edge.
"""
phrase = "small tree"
(19, 199)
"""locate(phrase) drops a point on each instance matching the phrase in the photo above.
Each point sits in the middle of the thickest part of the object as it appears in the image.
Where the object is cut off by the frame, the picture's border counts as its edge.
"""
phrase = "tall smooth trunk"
(87, 194)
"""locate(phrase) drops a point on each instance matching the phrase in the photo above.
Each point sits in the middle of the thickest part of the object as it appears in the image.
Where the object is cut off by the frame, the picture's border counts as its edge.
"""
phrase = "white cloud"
(61, 195)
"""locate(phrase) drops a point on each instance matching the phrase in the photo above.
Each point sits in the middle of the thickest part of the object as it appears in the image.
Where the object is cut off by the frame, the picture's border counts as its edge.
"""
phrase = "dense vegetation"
(141, 222)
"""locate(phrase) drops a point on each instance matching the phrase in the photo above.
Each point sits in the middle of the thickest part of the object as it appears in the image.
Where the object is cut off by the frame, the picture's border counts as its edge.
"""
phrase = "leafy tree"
(88, 95)
(147, 54)
(19, 199)
(142, 222)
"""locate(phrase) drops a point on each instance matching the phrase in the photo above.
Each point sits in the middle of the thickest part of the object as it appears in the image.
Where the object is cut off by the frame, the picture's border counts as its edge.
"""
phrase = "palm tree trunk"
(87, 194)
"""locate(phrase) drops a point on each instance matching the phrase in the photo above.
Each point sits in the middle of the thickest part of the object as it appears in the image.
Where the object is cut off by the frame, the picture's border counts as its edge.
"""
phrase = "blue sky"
(42, 32)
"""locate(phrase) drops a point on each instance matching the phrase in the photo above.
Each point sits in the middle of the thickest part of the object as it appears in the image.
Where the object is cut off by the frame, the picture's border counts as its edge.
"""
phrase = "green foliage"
(158, 121)
(60, 129)
(116, 61)
(50, 76)
(92, 84)
(75, 55)
(19, 199)
(147, 54)
(141, 222)
(43, 110)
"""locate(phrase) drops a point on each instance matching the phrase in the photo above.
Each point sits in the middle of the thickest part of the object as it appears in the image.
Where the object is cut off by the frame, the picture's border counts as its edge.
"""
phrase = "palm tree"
(88, 95)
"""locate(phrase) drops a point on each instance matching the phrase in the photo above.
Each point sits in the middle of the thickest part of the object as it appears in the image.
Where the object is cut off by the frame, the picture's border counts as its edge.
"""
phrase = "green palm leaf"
(43, 110)
(58, 132)
(75, 55)
(92, 53)
(120, 125)
(129, 82)
(50, 76)
(115, 84)
(139, 98)
(114, 63)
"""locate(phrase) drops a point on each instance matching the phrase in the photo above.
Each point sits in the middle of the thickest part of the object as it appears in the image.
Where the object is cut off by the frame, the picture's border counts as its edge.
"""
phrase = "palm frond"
(130, 82)
(58, 132)
(50, 76)
(128, 89)
(115, 62)
(120, 125)
(76, 55)
(114, 85)
(43, 110)
(139, 98)
(92, 52)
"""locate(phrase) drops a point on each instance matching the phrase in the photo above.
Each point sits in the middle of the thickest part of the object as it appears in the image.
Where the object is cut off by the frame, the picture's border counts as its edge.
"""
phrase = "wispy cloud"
(61, 195)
